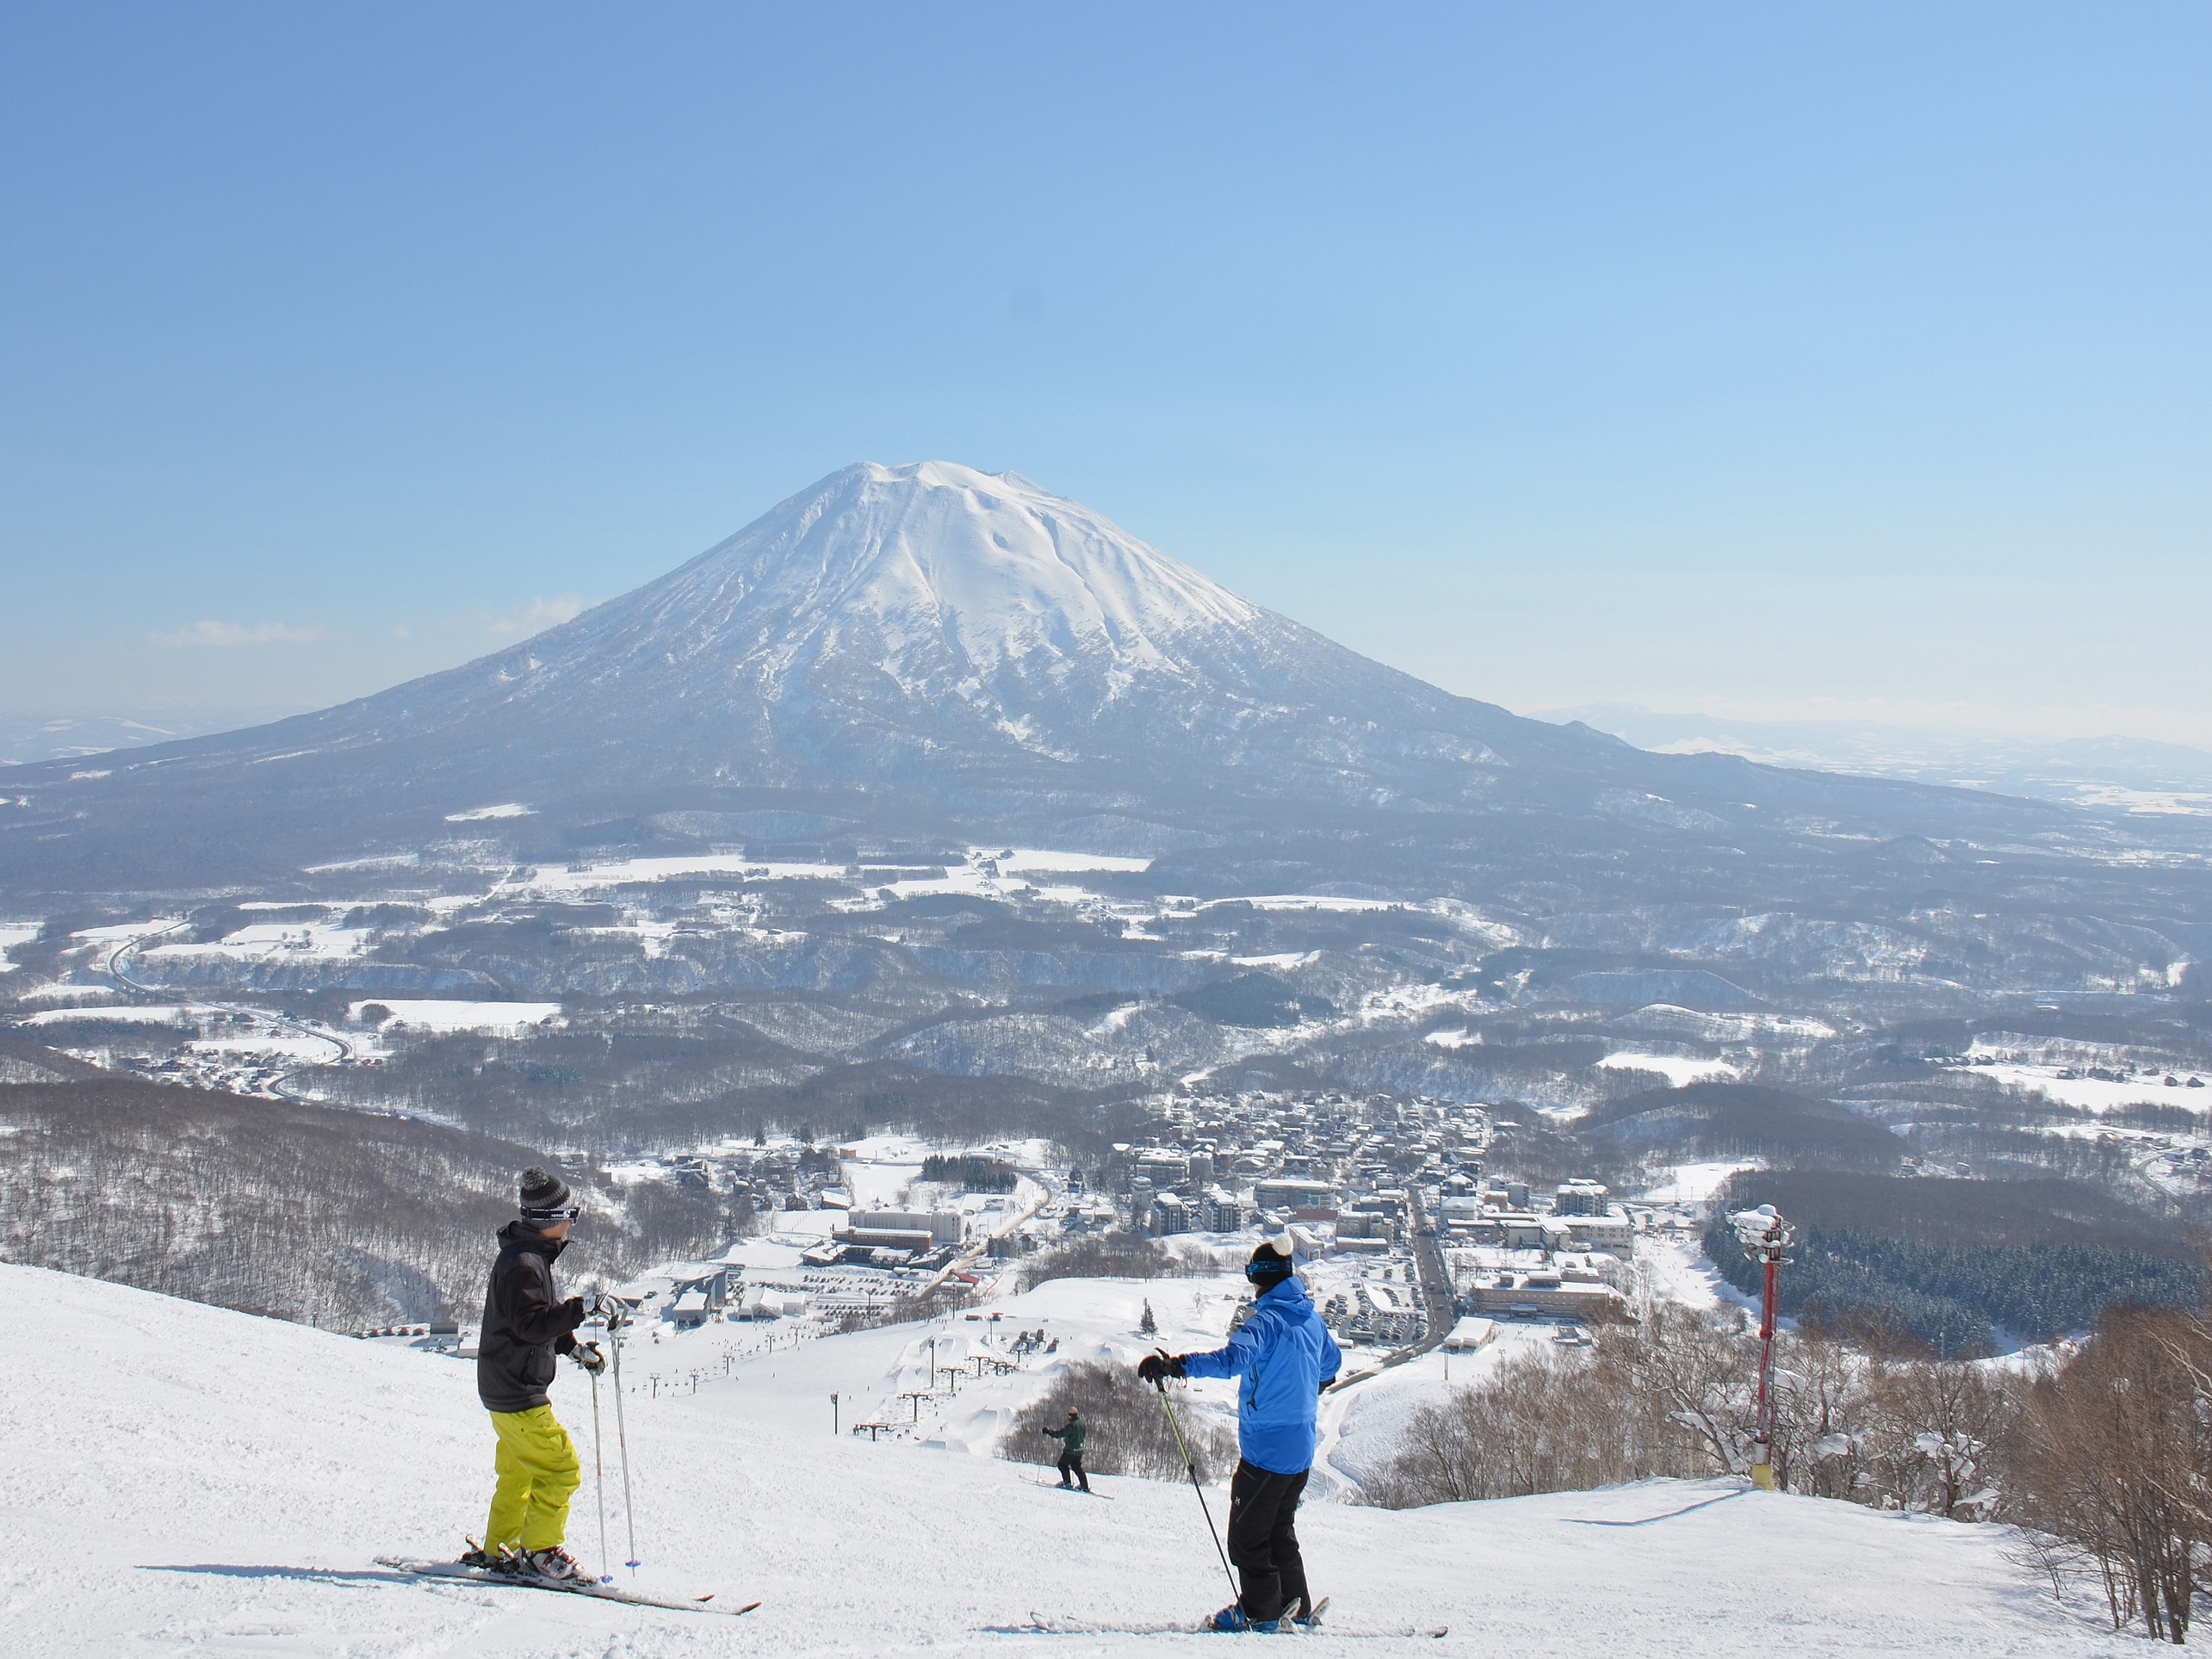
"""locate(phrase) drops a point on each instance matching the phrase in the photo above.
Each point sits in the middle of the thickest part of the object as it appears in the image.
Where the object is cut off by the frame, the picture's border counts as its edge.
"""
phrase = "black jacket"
(523, 1326)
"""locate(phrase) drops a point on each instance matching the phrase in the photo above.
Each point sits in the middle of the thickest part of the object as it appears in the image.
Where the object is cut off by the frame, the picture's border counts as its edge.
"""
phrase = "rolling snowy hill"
(182, 1478)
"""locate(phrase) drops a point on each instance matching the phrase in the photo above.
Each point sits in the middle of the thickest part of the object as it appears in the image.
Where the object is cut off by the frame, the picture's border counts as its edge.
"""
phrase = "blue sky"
(1783, 362)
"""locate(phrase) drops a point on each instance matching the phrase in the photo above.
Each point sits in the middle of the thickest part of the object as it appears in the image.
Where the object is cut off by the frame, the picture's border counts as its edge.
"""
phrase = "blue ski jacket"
(1284, 1355)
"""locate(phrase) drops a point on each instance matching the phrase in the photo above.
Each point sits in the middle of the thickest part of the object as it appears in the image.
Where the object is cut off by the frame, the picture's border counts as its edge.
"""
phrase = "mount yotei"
(932, 802)
(923, 651)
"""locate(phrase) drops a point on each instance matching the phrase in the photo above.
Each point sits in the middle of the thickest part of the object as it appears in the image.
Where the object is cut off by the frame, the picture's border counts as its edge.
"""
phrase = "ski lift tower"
(1764, 1236)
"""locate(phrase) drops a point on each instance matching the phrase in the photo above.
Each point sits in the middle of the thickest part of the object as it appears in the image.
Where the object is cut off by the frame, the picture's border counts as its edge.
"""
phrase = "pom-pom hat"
(1271, 1262)
(546, 1198)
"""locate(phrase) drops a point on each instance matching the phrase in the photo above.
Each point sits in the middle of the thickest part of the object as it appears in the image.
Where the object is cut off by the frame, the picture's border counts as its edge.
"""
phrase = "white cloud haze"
(228, 633)
(536, 616)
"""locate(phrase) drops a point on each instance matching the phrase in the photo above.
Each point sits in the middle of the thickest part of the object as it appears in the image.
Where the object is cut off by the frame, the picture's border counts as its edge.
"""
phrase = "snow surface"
(506, 809)
(123, 932)
(2094, 1093)
(65, 991)
(434, 1015)
(264, 940)
(186, 1479)
(1692, 1184)
(988, 564)
(12, 934)
(1027, 859)
(138, 1014)
(1678, 1069)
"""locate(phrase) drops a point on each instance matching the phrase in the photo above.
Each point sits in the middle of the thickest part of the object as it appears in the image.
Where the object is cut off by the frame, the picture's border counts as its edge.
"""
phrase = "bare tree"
(2111, 1462)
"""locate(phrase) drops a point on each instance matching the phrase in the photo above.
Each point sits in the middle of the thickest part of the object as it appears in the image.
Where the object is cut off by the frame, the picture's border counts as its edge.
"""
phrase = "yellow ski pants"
(538, 1474)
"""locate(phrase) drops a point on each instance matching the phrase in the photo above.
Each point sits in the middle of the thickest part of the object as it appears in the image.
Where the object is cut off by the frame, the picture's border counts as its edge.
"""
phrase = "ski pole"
(599, 1482)
(1175, 1429)
(615, 1322)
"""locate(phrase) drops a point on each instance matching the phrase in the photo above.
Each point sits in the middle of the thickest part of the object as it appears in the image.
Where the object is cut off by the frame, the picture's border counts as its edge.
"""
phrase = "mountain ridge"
(922, 649)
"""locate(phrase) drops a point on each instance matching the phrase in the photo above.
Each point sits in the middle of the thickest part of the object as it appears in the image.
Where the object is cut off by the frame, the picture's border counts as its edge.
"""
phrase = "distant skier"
(1285, 1357)
(524, 1326)
(1071, 1435)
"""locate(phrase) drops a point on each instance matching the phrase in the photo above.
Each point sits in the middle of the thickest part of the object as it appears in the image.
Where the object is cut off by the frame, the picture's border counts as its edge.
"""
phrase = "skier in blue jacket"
(1285, 1357)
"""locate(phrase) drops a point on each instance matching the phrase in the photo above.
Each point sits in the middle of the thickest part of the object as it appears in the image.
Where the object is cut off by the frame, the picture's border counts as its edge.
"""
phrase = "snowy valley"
(938, 935)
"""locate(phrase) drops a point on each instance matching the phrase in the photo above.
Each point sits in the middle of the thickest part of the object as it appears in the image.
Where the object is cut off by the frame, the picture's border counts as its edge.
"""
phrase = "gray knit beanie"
(544, 1197)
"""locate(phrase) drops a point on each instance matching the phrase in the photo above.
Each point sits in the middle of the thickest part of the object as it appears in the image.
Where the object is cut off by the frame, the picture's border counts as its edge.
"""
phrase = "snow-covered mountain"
(958, 633)
(184, 1478)
(914, 651)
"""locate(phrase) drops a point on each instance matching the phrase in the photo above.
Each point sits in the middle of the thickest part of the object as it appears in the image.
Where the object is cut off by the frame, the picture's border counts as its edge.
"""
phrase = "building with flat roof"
(1580, 1197)
(1528, 1295)
(1292, 1192)
(1612, 1231)
(942, 1226)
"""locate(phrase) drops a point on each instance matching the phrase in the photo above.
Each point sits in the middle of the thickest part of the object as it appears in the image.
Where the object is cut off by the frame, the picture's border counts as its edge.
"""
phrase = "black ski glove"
(1158, 1364)
(587, 1355)
(1325, 1382)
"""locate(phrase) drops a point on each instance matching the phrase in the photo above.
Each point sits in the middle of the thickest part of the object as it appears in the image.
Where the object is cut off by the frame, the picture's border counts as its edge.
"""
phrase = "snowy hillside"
(186, 1479)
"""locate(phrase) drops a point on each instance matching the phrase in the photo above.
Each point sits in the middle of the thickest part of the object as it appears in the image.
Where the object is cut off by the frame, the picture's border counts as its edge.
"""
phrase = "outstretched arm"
(1237, 1360)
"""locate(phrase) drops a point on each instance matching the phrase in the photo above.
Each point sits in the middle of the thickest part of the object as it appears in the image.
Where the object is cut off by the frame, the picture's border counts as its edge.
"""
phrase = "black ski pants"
(1263, 1540)
(1072, 1463)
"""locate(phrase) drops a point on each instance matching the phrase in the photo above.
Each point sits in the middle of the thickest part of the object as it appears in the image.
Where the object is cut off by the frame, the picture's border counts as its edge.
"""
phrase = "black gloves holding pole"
(1160, 1364)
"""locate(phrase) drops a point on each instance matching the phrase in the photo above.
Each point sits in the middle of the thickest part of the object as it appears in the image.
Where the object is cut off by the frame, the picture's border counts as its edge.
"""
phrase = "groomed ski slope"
(183, 1479)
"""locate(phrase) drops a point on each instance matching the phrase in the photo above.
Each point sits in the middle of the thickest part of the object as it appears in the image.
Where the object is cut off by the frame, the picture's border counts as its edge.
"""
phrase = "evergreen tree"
(1149, 1325)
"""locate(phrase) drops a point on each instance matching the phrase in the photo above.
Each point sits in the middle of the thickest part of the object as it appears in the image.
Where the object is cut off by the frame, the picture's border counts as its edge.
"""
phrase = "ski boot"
(553, 1566)
(487, 1561)
(1232, 1618)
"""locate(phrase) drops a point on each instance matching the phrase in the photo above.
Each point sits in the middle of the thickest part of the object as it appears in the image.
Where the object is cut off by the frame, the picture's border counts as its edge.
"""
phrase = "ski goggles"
(570, 1213)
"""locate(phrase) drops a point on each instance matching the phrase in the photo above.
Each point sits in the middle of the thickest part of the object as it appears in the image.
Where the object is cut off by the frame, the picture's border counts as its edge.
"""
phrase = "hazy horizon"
(1773, 366)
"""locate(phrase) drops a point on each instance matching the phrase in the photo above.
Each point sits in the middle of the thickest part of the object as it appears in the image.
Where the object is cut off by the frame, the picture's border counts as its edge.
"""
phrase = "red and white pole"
(1763, 1448)
(1764, 1236)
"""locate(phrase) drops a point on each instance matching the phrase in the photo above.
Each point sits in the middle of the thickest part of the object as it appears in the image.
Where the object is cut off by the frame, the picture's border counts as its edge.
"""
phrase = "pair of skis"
(1310, 1626)
(1066, 1486)
(590, 1587)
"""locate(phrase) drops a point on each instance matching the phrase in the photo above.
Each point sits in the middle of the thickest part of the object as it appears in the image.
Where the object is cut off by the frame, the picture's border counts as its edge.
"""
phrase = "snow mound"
(185, 1477)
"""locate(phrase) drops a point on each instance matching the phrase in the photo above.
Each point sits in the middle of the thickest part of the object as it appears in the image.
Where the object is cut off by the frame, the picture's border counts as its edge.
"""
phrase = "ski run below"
(183, 1479)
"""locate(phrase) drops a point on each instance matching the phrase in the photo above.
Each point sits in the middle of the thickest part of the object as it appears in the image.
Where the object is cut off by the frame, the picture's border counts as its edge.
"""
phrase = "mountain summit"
(911, 651)
(955, 572)
(931, 606)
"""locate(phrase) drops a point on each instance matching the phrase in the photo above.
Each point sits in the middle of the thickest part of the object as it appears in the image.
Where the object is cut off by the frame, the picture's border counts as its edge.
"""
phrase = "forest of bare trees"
(2102, 1454)
(342, 1219)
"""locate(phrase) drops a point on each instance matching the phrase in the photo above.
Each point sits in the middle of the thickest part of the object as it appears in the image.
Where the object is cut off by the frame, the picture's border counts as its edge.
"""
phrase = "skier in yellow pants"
(524, 1326)
(538, 1474)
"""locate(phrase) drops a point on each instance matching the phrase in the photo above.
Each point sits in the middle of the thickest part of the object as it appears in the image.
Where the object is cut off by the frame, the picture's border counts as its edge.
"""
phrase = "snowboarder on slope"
(1070, 1436)
(1285, 1357)
(524, 1326)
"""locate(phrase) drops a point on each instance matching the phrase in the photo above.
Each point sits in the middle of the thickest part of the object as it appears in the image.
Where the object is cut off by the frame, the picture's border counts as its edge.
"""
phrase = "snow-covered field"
(2095, 1093)
(1694, 1183)
(1679, 1070)
(139, 1013)
(437, 1015)
(188, 1480)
